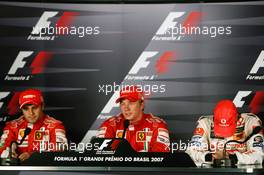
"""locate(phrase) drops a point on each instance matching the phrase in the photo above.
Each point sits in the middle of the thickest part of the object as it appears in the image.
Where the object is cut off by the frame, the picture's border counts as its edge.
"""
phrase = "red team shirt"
(150, 134)
(46, 130)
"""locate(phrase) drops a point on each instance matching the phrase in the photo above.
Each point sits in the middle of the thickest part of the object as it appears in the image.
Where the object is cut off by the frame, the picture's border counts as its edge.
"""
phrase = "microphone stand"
(122, 142)
(11, 160)
(225, 162)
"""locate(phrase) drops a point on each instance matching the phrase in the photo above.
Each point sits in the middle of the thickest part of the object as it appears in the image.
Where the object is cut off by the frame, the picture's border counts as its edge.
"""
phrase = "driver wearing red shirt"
(145, 133)
(47, 133)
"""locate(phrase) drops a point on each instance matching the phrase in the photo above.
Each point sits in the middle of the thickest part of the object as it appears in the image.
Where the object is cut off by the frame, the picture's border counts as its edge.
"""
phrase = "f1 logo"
(169, 22)
(3, 95)
(104, 144)
(142, 62)
(174, 28)
(43, 22)
(161, 64)
(37, 65)
(238, 99)
(255, 103)
(258, 64)
(19, 63)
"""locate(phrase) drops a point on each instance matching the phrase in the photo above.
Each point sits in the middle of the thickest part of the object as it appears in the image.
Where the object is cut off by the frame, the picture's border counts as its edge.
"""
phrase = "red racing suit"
(204, 141)
(45, 135)
(150, 134)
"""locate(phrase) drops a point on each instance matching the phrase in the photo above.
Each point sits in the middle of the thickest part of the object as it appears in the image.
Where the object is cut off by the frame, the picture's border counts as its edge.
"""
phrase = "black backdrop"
(199, 71)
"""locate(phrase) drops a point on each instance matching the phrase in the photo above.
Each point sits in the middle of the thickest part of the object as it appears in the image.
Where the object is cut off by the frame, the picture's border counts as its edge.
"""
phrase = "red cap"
(132, 93)
(30, 96)
(225, 118)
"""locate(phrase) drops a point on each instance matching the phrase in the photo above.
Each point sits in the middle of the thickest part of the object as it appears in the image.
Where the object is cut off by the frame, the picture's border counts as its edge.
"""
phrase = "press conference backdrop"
(186, 57)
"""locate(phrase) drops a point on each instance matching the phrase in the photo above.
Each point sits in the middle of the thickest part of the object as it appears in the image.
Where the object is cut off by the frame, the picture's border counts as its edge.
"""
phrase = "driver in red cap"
(145, 133)
(213, 131)
(46, 132)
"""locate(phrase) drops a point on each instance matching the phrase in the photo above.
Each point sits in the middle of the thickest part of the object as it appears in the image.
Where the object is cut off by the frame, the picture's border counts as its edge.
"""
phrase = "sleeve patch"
(163, 136)
(258, 141)
(60, 136)
(199, 131)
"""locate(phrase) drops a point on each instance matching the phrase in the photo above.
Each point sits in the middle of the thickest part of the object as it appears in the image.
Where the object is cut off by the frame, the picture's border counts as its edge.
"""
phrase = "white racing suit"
(204, 141)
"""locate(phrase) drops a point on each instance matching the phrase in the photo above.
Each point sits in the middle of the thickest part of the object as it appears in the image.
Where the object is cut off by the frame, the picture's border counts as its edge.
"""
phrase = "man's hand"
(24, 156)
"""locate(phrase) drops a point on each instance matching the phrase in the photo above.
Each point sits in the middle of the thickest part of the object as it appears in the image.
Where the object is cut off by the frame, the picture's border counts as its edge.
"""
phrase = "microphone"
(26, 133)
(126, 124)
(227, 162)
